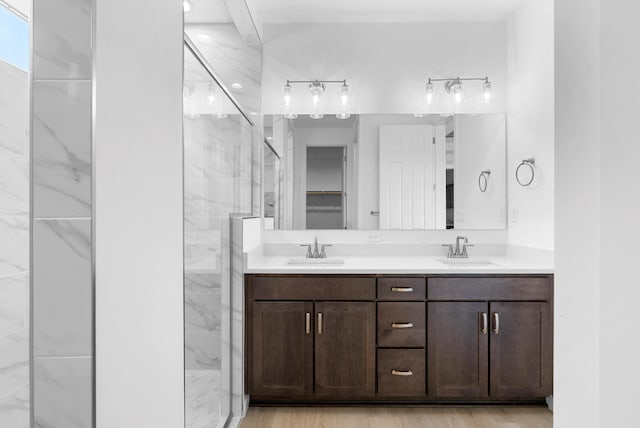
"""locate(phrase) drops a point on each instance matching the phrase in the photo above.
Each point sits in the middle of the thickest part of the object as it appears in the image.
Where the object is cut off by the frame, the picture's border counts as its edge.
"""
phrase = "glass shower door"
(217, 183)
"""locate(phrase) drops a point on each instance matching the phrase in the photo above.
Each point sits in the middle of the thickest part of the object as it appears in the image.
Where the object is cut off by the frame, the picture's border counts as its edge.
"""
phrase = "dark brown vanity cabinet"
(415, 338)
(498, 349)
(323, 346)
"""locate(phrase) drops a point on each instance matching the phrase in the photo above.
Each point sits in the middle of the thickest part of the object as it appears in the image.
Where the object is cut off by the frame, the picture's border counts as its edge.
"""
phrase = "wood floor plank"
(398, 417)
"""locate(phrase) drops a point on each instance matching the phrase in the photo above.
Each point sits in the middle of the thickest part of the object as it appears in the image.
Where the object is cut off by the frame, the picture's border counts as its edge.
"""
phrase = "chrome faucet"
(313, 252)
(459, 252)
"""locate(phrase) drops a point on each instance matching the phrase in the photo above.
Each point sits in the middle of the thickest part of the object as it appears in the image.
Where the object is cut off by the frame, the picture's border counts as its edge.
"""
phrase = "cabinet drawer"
(401, 373)
(486, 289)
(402, 288)
(401, 324)
(313, 288)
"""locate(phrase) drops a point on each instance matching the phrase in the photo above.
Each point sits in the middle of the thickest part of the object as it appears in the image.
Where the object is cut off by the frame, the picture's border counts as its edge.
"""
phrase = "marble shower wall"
(217, 183)
(14, 247)
(62, 214)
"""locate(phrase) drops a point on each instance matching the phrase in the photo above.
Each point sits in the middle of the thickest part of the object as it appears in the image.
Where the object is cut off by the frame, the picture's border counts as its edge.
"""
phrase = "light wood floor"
(398, 417)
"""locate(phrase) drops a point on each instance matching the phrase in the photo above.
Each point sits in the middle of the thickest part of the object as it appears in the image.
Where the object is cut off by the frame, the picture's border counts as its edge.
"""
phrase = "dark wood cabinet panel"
(401, 324)
(406, 289)
(313, 288)
(521, 349)
(401, 373)
(431, 338)
(490, 288)
(282, 360)
(345, 349)
(457, 350)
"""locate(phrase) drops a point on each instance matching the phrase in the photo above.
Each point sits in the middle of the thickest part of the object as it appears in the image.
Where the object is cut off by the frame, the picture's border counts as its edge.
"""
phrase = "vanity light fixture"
(454, 87)
(344, 102)
(187, 5)
(317, 90)
(286, 92)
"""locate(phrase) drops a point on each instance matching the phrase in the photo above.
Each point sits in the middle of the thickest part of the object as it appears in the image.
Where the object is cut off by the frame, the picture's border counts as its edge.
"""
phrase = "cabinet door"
(457, 344)
(521, 350)
(282, 360)
(345, 349)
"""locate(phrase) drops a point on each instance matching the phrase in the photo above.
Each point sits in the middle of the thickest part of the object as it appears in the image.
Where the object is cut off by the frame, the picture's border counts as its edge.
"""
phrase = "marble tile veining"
(61, 39)
(202, 349)
(202, 398)
(62, 243)
(14, 303)
(14, 110)
(62, 392)
(14, 250)
(62, 149)
(14, 361)
(14, 409)
(202, 311)
(14, 186)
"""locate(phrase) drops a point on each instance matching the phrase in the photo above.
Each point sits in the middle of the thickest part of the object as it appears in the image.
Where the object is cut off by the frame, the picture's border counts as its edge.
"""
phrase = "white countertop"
(397, 265)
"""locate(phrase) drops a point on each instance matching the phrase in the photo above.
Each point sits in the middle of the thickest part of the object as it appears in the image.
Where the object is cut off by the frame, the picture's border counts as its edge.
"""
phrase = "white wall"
(530, 107)
(479, 145)
(138, 214)
(387, 65)
(619, 213)
(577, 217)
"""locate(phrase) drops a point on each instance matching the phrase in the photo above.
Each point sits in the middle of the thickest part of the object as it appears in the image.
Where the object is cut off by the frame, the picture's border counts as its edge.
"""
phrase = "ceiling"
(363, 11)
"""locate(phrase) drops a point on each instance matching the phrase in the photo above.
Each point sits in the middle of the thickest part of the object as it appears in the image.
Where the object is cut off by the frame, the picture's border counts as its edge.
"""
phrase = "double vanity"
(398, 329)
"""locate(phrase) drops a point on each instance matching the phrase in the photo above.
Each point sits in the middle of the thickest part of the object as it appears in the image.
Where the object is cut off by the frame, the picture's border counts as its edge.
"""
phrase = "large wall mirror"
(385, 172)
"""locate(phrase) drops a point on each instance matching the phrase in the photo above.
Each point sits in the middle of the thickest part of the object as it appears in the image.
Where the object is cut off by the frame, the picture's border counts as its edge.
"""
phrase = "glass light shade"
(211, 96)
(487, 92)
(286, 96)
(316, 89)
(344, 102)
(457, 92)
(428, 97)
(186, 5)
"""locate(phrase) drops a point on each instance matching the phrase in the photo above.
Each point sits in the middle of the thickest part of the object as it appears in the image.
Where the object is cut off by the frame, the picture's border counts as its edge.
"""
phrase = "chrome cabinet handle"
(496, 323)
(402, 372)
(402, 325)
(307, 323)
(485, 323)
(319, 322)
(402, 289)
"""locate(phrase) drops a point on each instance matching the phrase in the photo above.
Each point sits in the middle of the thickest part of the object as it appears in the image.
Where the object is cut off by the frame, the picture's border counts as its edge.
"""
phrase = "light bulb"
(344, 95)
(344, 102)
(429, 94)
(457, 92)
(486, 92)
(286, 91)
(316, 88)
(211, 96)
(186, 5)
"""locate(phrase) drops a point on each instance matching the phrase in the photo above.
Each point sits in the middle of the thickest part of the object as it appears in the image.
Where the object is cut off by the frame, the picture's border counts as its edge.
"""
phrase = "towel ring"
(530, 163)
(483, 180)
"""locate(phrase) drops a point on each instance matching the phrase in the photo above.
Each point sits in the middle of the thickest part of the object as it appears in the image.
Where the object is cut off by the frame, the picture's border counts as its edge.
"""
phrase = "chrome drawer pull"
(402, 372)
(485, 324)
(402, 325)
(307, 323)
(402, 289)
(496, 323)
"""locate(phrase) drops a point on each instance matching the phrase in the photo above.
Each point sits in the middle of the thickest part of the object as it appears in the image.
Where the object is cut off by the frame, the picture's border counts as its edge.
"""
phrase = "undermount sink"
(474, 261)
(314, 262)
